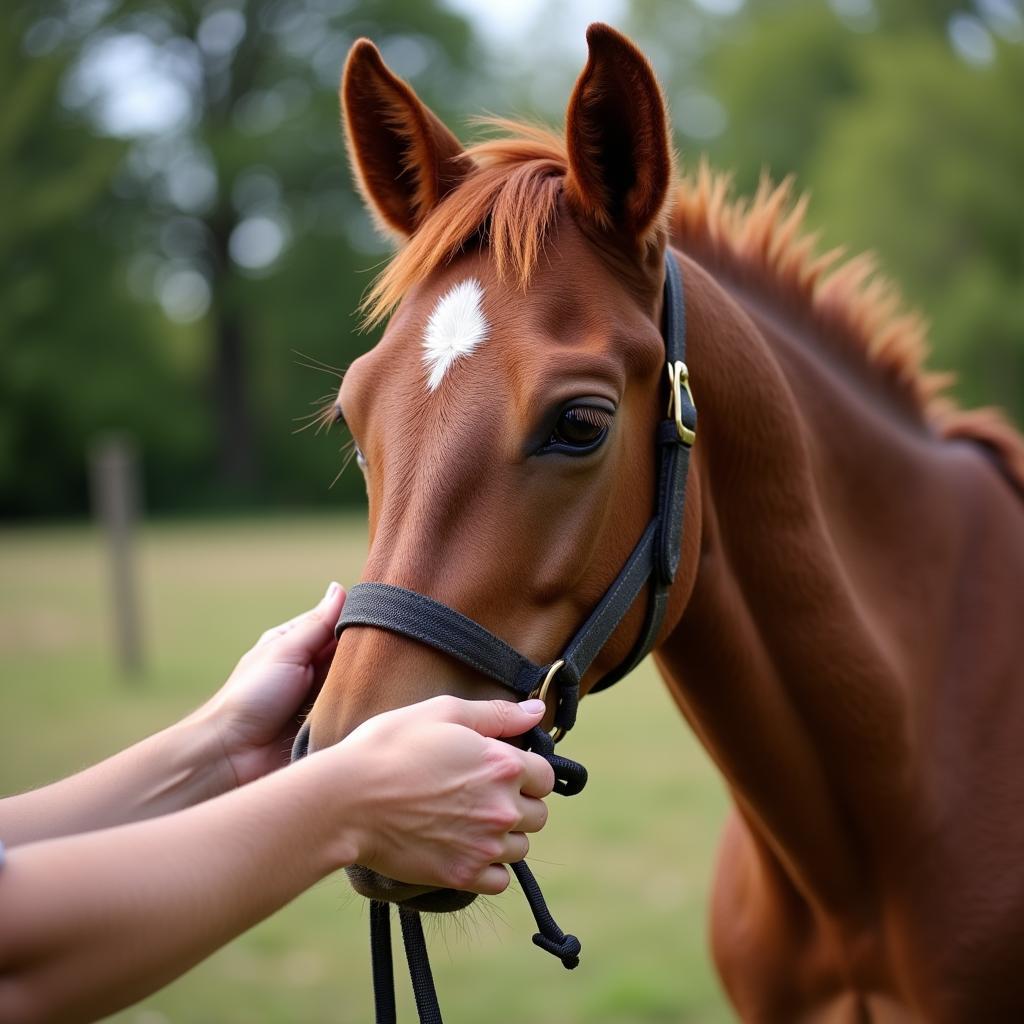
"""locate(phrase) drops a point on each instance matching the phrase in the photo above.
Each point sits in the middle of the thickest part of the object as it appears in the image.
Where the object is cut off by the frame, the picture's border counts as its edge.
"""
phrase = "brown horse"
(845, 631)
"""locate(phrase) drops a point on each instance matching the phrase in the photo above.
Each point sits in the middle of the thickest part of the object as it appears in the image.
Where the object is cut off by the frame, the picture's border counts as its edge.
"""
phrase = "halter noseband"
(653, 562)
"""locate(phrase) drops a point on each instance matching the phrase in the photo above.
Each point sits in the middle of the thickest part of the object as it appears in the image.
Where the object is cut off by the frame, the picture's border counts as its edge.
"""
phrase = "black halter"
(652, 564)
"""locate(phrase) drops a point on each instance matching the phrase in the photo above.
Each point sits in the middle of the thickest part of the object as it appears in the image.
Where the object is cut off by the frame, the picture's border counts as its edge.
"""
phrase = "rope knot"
(567, 949)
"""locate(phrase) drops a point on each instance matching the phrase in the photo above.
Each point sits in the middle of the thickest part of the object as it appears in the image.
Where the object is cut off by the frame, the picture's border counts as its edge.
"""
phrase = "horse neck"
(820, 505)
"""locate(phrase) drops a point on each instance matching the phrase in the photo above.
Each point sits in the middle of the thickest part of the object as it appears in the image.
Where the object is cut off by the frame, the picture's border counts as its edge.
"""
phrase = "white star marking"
(455, 328)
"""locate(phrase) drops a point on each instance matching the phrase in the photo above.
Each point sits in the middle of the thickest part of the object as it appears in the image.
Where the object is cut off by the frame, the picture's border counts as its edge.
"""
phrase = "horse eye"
(579, 429)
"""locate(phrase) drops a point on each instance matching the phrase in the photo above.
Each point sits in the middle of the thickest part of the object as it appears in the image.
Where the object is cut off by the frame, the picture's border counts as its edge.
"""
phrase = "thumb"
(498, 718)
(309, 633)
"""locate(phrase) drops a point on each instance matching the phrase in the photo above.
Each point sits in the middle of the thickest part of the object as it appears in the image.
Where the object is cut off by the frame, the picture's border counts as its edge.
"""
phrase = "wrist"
(198, 745)
(326, 787)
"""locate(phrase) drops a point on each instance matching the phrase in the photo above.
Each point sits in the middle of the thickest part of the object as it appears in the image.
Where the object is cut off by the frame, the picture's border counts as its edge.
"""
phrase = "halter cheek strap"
(652, 564)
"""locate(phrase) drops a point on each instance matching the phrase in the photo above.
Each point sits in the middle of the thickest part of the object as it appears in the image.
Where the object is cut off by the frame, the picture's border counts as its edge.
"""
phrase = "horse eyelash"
(590, 414)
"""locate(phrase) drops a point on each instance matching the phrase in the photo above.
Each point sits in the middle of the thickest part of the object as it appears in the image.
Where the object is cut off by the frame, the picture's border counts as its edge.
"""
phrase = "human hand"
(257, 712)
(433, 797)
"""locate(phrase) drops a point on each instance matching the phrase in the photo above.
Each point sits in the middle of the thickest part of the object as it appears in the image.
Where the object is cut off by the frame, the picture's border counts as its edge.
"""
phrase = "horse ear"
(404, 159)
(620, 161)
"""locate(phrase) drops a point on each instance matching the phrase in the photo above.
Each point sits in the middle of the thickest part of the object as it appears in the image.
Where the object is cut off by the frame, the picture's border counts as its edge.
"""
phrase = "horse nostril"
(300, 748)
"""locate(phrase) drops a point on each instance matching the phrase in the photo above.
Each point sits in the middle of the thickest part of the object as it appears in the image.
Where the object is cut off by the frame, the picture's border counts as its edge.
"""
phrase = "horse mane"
(510, 202)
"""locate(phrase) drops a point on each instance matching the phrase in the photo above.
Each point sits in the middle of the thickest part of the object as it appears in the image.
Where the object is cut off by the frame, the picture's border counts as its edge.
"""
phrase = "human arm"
(90, 923)
(175, 768)
(240, 734)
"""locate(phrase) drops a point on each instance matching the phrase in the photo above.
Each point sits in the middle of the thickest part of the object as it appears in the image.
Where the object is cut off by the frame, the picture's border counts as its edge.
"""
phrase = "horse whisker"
(312, 363)
(351, 446)
(323, 417)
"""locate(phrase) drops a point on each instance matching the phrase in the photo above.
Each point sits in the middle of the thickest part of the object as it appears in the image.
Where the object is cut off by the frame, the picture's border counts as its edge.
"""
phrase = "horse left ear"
(405, 159)
(620, 161)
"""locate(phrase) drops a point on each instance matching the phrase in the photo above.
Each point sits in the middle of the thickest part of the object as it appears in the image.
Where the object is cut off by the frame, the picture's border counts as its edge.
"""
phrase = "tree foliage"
(72, 344)
(928, 149)
(176, 246)
(167, 249)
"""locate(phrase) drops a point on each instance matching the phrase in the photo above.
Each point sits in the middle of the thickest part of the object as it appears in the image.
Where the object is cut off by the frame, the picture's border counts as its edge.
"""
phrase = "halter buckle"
(679, 381)
(541, 693)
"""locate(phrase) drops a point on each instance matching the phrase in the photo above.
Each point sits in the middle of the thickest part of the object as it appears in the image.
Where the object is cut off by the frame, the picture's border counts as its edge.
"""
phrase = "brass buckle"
(679, 381)
(541, 692)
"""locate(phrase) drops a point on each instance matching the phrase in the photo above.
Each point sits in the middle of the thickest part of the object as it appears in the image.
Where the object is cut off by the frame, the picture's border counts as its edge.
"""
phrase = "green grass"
(626, 865)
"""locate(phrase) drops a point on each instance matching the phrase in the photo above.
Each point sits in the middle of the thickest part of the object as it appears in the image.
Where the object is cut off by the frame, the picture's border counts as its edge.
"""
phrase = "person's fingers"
(284, 627)
(494, 718)
(492, 881)
(275, 631)
(335, 595)
(514, 846)
(538, 777)
(533, 815)
(308, 634)
(270, 634)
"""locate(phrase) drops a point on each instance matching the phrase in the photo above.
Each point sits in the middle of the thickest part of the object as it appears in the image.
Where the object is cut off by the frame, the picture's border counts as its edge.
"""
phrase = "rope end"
(567, 950)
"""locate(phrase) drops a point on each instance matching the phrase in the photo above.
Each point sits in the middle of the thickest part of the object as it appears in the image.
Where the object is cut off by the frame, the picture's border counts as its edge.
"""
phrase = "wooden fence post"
(114, 480)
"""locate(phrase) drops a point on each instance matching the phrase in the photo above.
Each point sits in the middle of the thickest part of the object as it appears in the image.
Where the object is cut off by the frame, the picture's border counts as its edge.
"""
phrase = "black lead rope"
(380, 957)
(651, 566)
(548, 936)
(415, 954)
(419, 967)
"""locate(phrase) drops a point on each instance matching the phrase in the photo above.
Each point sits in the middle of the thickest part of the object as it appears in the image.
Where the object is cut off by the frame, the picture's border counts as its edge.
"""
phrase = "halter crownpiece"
(652, 564)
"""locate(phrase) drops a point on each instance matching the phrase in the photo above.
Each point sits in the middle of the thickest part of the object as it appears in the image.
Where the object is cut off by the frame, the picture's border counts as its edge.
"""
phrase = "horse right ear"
(617, 136)
(404, 159)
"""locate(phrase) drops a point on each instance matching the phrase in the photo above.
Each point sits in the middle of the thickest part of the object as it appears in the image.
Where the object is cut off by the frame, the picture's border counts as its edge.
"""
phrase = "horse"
(843, 633)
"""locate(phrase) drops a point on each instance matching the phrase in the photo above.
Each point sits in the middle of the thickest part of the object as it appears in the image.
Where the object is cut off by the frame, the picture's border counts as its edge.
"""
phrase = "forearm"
(94, 922)
(171, 770)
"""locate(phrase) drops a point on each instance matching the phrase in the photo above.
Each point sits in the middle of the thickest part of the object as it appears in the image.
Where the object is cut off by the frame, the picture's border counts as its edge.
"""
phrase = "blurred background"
(181, 255)
(180, 224)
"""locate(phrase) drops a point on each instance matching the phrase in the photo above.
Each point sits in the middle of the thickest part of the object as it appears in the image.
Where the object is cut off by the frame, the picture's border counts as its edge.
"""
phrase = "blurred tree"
(72, 347)
(250, 219)
(183, 217)
(780, 77)
(200, 141)
(925, 165)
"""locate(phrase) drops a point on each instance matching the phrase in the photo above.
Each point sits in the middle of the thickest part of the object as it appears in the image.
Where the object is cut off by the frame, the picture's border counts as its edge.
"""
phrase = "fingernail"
(533, 707)
(332, 589)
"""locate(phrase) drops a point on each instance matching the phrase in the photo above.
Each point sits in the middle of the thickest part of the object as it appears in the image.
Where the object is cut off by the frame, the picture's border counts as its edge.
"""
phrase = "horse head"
(505, 422)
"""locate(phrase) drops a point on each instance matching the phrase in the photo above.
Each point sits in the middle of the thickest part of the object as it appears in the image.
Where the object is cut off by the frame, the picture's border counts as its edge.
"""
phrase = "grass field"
(626, 865)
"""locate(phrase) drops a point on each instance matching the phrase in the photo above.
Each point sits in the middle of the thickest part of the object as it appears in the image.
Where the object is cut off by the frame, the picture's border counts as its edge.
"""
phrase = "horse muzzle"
(423, 898)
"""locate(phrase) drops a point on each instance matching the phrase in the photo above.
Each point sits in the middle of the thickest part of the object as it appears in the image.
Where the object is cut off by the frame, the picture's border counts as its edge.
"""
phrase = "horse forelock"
(509, 201)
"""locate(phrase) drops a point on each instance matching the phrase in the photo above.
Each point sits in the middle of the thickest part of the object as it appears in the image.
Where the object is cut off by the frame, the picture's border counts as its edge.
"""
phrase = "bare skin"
(195, 828)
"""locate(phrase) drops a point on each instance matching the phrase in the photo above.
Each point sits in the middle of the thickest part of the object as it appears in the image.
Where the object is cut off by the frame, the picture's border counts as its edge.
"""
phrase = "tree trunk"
(237, 459)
